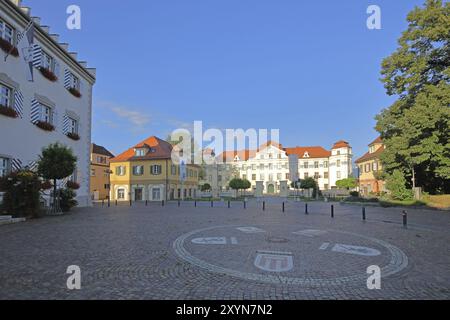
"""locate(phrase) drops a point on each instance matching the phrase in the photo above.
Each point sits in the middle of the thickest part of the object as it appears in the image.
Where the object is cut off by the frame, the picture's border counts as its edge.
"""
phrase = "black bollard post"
(116, 203)
(212, 204)
(405, 219)
(195, 203)
(364, 214)
(163, 203)
(103, 202)
(264, 206)
(283, 206)
(146, 203)
(229, 205)
(109, 203)
(131, 204)
(332, 211)
(179, 204)
(306, 208)
(245, 205)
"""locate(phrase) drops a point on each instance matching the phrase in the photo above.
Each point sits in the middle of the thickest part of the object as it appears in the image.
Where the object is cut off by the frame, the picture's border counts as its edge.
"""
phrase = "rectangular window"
(120, 170)
(279, 176)
(325, 164)
(374, 166)
(92, 172)
(288, 176)
(107, 186)
(156, 170)
(254, 177)
(316, 164)
(121, 194)
(48, 62)
(156, 194)
(73, 126)
(5, 96)
(270, 177)
(4, 166)
(338, 175)
(316, 175)
(173, 170)
(325, 175)
(6, 32)
(138, 170)
(74, 81)
(244, 176)
(306, 165)
(261, 166)
(46, 114)
(306, 175)
(338, 163)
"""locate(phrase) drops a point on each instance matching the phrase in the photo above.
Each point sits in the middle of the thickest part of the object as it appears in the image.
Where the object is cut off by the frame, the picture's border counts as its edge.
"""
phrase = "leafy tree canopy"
(349, 183)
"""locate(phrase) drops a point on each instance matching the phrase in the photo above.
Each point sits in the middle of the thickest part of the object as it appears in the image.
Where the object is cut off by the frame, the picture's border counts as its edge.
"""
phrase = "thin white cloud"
(138, 120)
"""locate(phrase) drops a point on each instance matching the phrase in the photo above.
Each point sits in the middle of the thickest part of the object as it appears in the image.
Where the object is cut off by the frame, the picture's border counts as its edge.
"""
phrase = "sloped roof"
(313, 152)
(370, 156)
(341, 144)
(377, 140)
(101, 150)
(158, 149)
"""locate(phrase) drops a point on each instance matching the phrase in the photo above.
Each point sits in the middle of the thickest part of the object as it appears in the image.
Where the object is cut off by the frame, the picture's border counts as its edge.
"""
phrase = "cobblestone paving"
(134, 253)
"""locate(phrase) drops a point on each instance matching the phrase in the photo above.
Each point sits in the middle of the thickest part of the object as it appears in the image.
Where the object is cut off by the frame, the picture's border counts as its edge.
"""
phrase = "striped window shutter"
(35, 111)
(18, 103)
(67, 79)
(37, 56)
(16, 164)
(57, 69)
(33, 166)
(65, 124)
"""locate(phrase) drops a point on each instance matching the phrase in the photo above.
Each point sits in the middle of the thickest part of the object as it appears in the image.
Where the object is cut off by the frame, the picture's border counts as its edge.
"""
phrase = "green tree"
(396, 184)
(55, 163)
(205, 187)
(239, 184)
(310, 183)
(415, 129)
(349, 183)
(22, 193)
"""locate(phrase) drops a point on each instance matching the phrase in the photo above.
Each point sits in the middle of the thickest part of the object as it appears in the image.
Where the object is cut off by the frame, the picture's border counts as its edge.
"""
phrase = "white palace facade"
(271, 165)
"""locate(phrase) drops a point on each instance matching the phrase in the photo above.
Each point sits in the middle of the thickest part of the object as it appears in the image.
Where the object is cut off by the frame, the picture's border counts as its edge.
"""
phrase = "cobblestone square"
(199, 252)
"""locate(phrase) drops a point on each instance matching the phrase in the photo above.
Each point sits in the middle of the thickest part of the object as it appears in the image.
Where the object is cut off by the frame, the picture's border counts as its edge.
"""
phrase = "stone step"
(11, 221)
(5, 218)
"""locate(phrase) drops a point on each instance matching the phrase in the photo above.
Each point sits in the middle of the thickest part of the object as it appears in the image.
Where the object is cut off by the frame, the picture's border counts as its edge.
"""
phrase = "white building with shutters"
(55, 107)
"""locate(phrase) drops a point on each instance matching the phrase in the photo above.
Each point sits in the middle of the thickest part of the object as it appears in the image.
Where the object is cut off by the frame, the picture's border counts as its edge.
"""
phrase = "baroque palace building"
(369, 167)
(146, 172)
(272, 166)
(54, 107)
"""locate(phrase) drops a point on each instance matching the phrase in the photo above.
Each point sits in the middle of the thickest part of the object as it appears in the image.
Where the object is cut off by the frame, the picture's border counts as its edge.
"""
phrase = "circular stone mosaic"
(288, 254)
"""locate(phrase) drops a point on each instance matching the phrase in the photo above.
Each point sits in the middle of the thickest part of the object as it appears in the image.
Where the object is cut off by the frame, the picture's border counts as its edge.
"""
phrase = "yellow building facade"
(370, 167)
(146, 172)
(99, 174)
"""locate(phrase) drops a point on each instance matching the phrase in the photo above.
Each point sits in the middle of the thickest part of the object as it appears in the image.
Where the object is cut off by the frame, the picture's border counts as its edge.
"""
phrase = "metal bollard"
(116, 203)
(109, 203)
(405, 218)
(332, 211)
(306, 208)
(364, 214)
(195, 203)
(229, 205)
(264, 206)
(131, 204)
(146, 203)
(163, 203)
(245, 205)
(103, 203)
(283, 207)
(212, 204)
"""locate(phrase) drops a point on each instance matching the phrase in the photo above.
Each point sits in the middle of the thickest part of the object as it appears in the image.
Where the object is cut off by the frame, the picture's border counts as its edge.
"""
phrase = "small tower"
(340, 162)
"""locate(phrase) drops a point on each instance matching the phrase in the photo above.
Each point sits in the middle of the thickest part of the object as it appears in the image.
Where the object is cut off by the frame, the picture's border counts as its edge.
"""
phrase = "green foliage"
(240, 184)
(67, 199)
(415, 128)
(22, 193)
(205, 187)
(308, 183)
(349, 183)
(396, 184)
(56, 162)
(296, 184)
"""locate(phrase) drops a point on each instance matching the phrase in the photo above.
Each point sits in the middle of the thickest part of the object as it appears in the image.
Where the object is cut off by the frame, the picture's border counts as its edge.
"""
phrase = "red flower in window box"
(46, 185)
(48, 74)
(8, 47)
(73, 185)
(45, 126)
(8, 112)
(73, 136)
(75, 92)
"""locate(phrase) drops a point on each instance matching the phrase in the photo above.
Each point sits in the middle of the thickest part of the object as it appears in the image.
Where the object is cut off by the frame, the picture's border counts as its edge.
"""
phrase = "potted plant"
(46, 185)
(8, 112)
(47, 73)
(73, 136)
(45, 126)
(73, 185)
(8, 48)
(75, 92)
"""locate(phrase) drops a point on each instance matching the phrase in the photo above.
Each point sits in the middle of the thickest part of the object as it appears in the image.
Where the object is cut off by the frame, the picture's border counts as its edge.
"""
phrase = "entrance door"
(138, 194)
(271, 189)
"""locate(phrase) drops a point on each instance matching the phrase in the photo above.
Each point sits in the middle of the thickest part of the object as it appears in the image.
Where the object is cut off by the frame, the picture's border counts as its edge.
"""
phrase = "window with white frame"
(46, 114)
(138, 170)
(74, 81)
(48, 62)
(120, 170)
(156, 194)
(73, 126)
(6, 32)
(155, 170)
(4, 166)
(121, 194)
(5, 95)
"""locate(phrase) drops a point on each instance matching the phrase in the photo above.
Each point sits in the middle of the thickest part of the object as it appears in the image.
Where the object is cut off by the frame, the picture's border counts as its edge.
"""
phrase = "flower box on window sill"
(45, 126)
(8, 47)
(8, 112)
(73, 136)
(46, 185)
(73, 185)
(48, 74)
(75, 92)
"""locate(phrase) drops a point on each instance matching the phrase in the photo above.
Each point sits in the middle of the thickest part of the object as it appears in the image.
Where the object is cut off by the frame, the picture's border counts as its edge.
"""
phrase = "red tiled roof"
(313, 152)
(370, 156)
(341, 144)
(160, 149)
(377, 140)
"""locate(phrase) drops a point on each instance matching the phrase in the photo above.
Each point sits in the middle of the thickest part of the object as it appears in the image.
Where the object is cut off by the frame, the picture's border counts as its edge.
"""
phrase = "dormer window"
(140, 152)
(306, 155)
(236, 158)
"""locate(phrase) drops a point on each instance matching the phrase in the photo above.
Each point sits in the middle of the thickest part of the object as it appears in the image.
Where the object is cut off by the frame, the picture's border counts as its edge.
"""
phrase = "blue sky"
(309, 68)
